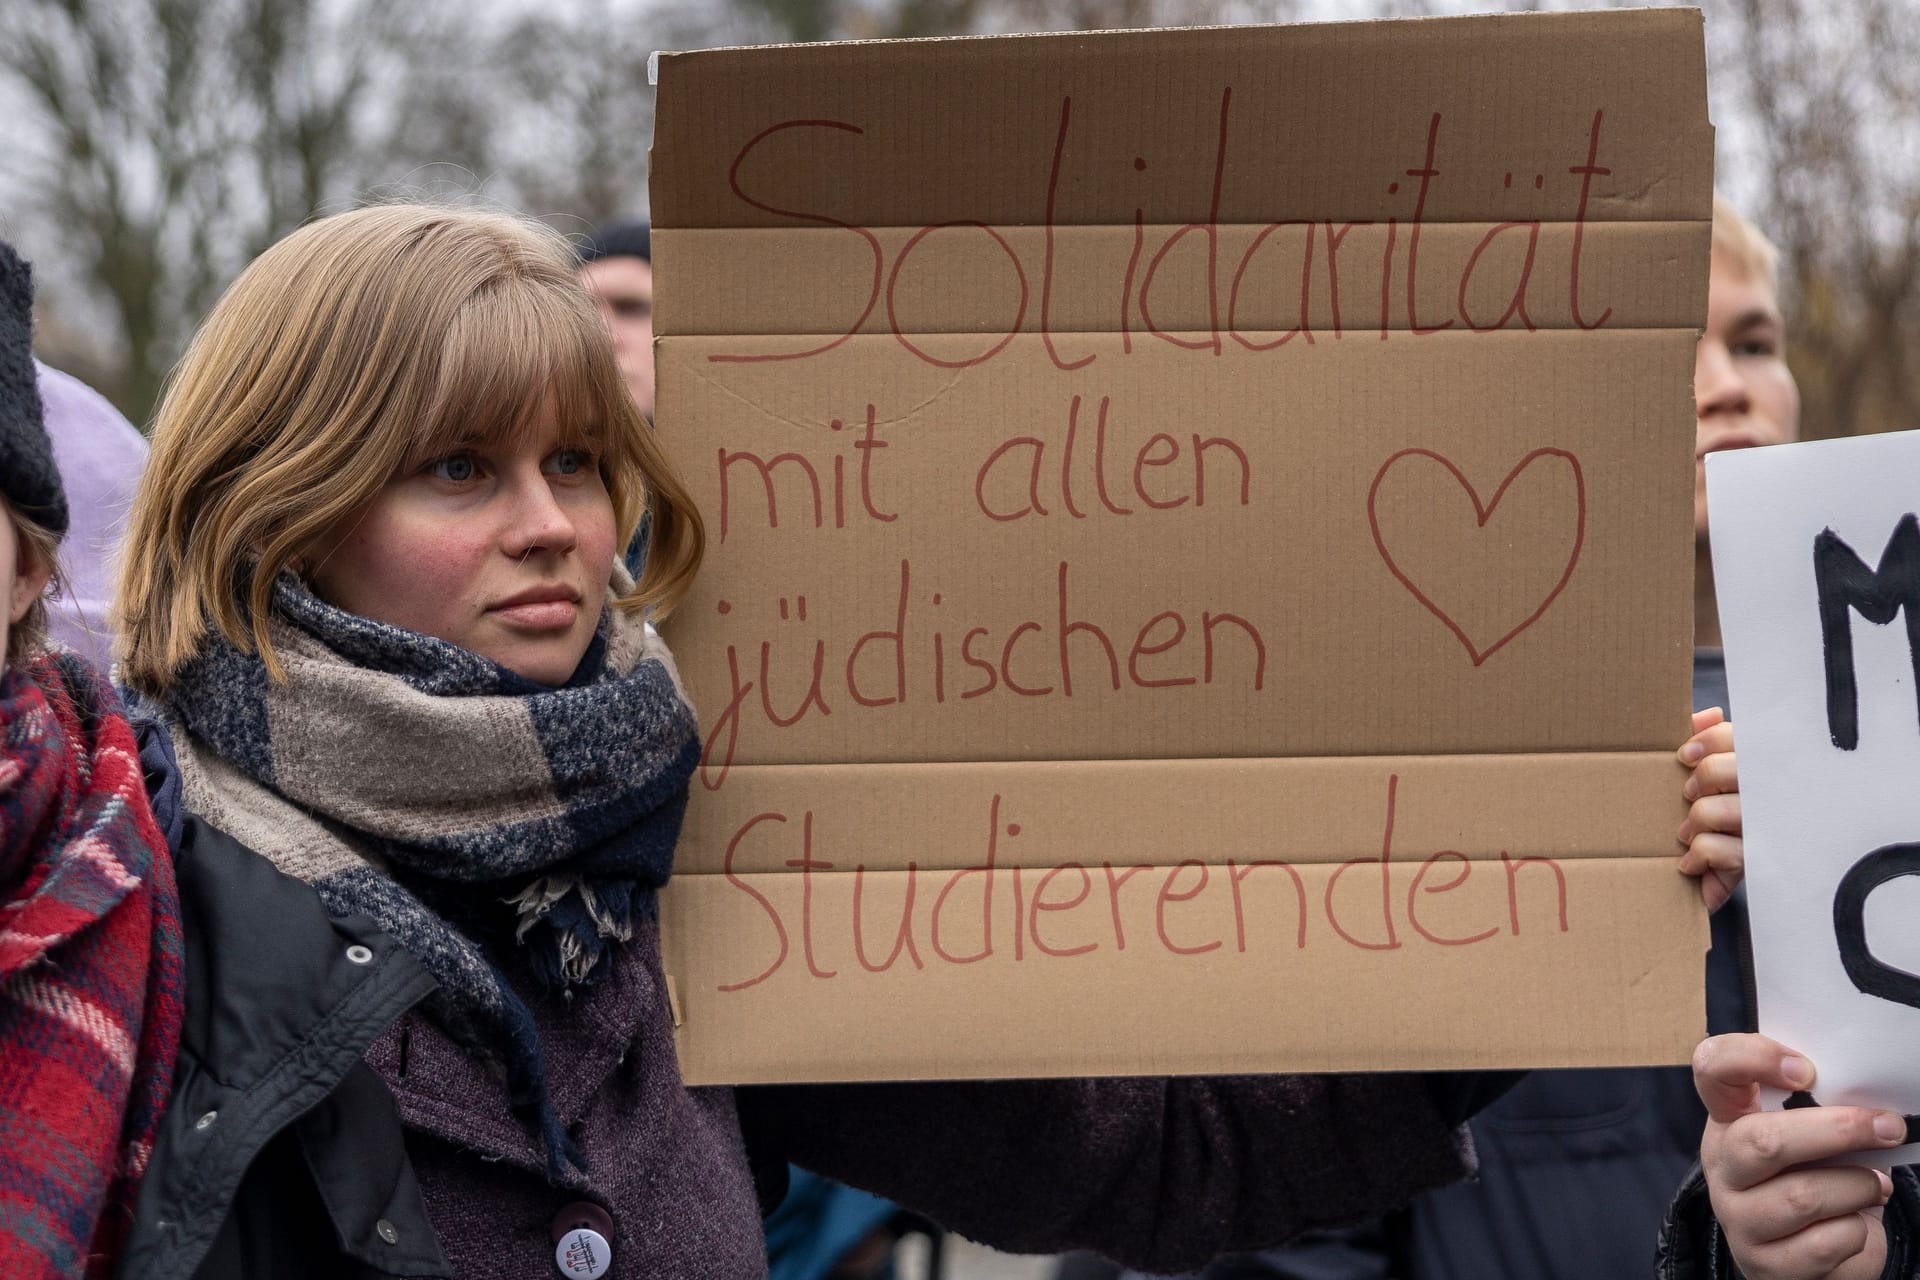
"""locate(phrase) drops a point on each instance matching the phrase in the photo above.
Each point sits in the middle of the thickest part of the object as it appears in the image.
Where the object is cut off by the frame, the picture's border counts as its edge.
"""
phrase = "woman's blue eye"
(569, 462)
(457, 468)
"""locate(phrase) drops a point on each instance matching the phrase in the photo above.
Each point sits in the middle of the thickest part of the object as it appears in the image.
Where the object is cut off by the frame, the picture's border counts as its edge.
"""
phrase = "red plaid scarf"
(90, 972)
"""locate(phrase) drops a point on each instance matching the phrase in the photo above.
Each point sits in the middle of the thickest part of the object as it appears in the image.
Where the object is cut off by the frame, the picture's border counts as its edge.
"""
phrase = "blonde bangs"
(509, 352)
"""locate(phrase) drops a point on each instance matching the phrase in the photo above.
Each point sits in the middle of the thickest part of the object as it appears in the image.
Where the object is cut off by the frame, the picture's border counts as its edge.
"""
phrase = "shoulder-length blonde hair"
(358, 344)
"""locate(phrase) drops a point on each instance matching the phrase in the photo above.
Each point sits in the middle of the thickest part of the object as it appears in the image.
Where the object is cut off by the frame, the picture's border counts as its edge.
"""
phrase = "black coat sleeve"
(1692, 1246)
(1162, 1174)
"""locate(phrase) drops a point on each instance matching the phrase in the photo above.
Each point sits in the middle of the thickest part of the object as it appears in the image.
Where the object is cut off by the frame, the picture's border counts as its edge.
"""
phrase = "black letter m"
(1845, 583)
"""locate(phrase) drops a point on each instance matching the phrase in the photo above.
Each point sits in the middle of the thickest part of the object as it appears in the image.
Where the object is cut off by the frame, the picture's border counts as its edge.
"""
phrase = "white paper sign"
(1816, 557)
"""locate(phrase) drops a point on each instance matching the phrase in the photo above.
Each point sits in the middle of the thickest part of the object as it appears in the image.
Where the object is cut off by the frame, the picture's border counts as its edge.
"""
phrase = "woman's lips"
(540, 615)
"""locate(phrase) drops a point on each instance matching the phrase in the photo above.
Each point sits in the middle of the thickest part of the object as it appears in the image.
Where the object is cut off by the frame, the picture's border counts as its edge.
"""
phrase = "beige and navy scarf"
(480, 818)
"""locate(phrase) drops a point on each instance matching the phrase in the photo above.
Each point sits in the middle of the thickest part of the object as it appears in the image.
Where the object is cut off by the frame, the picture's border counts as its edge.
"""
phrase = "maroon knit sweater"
(1159, 1173)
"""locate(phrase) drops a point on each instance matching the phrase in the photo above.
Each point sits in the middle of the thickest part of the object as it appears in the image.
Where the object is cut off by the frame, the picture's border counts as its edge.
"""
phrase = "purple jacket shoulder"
(100, 455)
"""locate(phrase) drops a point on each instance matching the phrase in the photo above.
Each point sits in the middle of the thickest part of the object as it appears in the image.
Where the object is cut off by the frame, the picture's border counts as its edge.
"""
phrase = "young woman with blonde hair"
(431, 766)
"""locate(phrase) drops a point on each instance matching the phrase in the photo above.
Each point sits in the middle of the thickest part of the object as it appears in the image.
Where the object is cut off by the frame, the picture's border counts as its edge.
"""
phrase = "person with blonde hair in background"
(1768, 1197)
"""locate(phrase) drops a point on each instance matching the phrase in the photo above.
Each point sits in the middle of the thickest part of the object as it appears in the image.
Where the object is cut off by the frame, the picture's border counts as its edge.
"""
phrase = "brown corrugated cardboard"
(1214, 504)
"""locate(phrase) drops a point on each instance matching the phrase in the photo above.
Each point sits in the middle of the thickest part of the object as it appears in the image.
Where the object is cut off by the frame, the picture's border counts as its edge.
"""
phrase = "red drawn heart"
(1482, 512)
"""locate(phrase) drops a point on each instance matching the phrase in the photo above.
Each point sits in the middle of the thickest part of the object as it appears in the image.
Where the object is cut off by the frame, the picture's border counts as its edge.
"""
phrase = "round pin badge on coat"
(581, 1244)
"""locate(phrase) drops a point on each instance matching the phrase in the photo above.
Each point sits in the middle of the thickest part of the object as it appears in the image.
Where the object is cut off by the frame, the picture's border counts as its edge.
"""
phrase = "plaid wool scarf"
(90, 972)
(478, 817)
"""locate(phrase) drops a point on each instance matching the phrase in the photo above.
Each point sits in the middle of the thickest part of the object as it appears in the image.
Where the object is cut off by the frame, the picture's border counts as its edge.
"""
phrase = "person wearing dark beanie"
(33, 506)
(28, 478)
(90, 953)
(620, 238)
(616, 266)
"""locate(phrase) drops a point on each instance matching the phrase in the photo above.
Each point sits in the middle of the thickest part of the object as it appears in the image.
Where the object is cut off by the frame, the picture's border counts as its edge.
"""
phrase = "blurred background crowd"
(153, 147)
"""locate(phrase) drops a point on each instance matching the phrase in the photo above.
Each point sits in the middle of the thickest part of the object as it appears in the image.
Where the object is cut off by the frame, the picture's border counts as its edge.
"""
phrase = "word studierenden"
(1044, 914)
(1225, 279)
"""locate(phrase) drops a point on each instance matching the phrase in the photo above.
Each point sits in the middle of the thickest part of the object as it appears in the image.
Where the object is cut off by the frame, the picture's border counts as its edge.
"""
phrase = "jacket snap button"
(387, 1231)
(359, 954)
(581, 1245)
(206, 1121)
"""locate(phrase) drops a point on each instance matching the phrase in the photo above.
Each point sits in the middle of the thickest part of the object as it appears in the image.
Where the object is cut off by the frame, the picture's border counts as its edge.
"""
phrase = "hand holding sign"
(1711, 833)
(1782, 1218)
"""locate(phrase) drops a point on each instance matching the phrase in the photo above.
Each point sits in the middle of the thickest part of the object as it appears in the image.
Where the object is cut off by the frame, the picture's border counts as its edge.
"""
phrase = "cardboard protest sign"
(1198, 573)
(1816, 557)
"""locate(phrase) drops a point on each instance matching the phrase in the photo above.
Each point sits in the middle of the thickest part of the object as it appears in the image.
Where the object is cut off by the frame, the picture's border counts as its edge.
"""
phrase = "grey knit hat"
(28, 477)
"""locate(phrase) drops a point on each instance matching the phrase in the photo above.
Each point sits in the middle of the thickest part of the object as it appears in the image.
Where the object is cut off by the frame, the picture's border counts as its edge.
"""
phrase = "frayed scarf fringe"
(582, 924)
